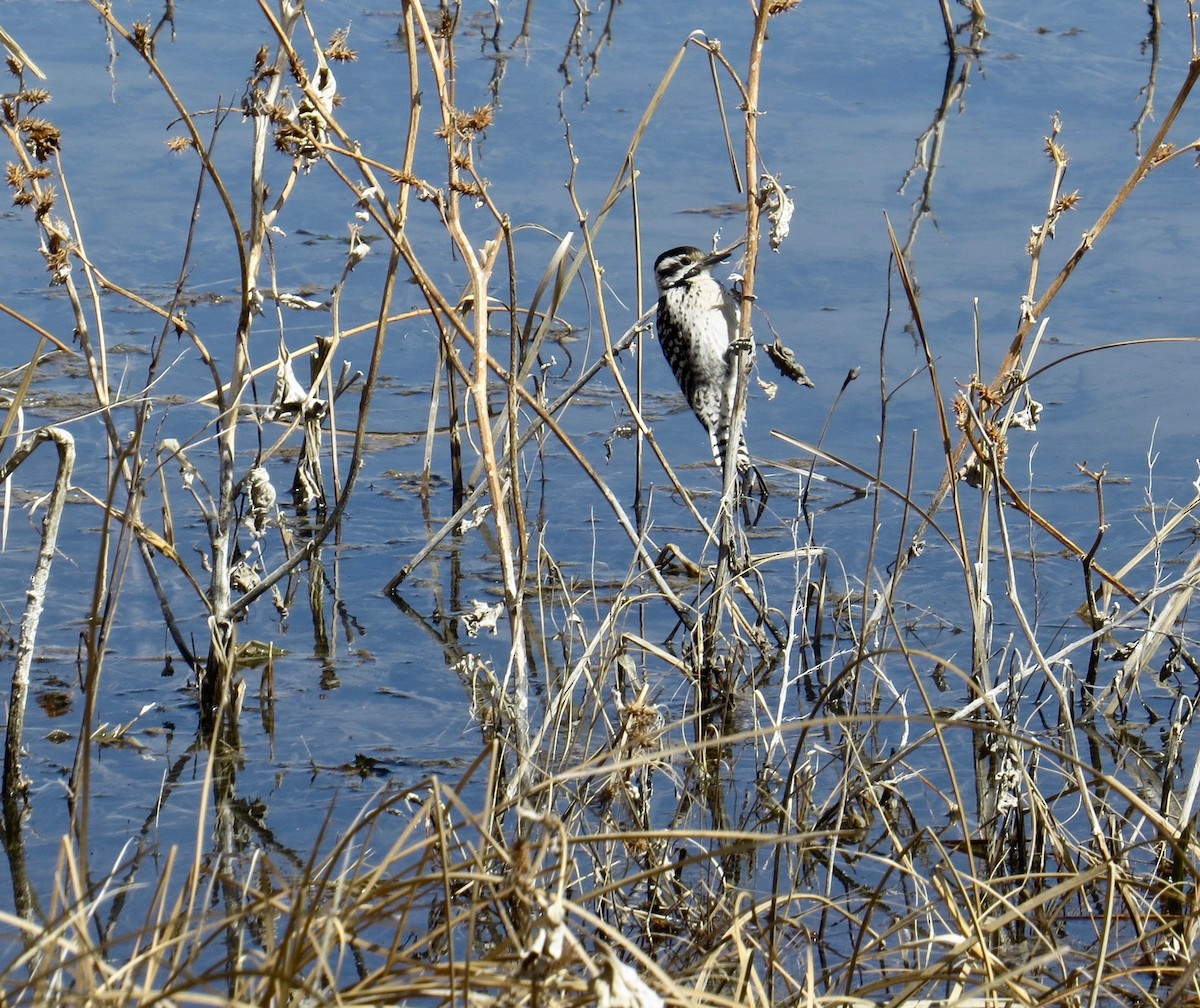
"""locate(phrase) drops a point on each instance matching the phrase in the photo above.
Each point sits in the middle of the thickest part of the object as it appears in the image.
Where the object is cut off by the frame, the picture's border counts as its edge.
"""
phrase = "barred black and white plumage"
(697, 324)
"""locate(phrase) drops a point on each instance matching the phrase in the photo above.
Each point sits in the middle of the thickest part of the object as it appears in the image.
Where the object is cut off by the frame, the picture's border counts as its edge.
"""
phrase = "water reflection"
(962, 58)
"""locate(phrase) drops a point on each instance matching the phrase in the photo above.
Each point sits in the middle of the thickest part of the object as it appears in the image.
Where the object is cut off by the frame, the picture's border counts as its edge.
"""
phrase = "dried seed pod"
(784, 359)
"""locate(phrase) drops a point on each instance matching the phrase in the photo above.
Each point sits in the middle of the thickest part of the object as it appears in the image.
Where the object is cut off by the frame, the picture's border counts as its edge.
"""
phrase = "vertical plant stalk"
(726, 524)
(503, 487)
(1045, 230)
(220, 625)
(218, 673)
(14, 785)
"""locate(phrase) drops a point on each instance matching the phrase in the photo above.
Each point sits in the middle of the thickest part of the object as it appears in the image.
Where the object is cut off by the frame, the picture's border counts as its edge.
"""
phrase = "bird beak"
(710, 261)
(721, 256)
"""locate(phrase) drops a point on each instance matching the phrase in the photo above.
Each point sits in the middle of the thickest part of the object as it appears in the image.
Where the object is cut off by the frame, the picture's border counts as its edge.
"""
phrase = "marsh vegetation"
(580, 721)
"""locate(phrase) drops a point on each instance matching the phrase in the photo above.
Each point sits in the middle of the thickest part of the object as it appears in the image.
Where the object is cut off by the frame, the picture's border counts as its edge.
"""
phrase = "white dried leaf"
(243, 577)
(324, 86)
(366, 195)
(476, 519)
(262, 498)
(619, 986)
(359, 249)
(780, 207)
(481, 616)
(1027, 418)
(296, 302)
(769, 387)
(550, 939)
(972, 472)
(289, 396)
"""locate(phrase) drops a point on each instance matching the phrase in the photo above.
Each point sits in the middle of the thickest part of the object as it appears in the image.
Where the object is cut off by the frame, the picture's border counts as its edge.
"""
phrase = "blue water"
(846, 95)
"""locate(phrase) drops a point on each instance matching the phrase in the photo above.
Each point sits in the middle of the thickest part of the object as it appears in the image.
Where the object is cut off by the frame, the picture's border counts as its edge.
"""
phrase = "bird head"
(682, 265)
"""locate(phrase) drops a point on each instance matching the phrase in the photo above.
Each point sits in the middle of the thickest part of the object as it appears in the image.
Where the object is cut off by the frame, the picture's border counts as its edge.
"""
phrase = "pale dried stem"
(15, 785)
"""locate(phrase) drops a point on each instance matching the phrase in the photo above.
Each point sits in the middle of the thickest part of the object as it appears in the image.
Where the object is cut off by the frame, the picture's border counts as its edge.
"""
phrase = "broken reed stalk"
(16, 787)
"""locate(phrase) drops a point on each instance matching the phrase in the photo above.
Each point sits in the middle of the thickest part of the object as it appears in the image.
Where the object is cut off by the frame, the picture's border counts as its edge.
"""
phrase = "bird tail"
(720, 444)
